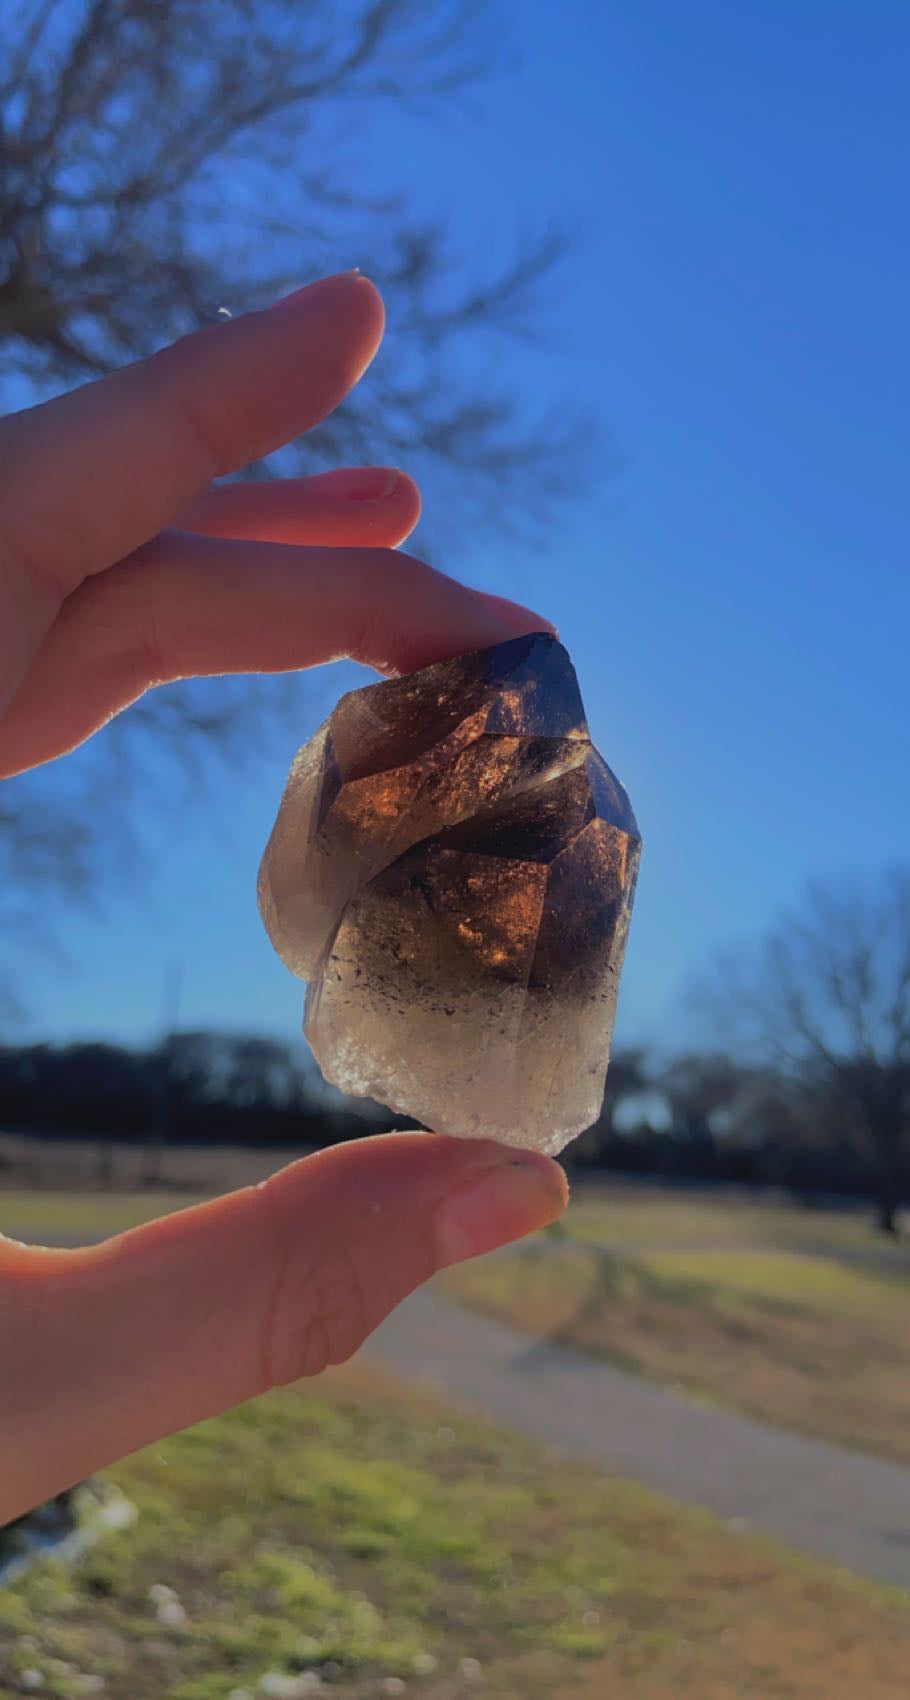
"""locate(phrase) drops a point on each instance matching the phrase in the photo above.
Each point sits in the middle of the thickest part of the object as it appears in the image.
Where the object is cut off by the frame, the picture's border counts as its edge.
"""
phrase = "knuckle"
(133, 619)
(184, 366)
(39, 561)
(315, 1316)
(376, 617)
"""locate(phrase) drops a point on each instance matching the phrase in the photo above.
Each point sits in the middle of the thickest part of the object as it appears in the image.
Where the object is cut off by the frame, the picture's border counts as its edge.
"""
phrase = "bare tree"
(161, 160)
(826, 999)
(700, 1090)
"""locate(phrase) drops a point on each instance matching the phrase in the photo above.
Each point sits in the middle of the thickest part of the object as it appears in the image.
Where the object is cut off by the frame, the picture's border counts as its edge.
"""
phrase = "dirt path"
(846, 1507)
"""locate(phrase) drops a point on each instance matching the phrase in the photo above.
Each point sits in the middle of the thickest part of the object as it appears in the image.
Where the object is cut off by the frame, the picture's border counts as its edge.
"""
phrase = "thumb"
(119, 1344)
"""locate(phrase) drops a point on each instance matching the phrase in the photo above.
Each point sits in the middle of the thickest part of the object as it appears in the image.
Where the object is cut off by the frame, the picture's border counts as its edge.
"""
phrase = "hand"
(122, 565)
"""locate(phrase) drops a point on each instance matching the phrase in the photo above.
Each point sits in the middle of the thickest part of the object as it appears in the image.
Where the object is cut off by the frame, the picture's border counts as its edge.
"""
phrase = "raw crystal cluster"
(452, 870)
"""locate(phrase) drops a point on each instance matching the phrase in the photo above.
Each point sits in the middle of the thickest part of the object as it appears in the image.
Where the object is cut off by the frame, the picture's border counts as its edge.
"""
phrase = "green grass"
(367, 1534)
(792, 1279)
(36, 1214)
(630, 1218)
(799, 1317)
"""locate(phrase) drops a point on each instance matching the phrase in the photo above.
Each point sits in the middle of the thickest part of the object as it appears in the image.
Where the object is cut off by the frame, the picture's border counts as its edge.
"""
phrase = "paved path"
(846, 1507)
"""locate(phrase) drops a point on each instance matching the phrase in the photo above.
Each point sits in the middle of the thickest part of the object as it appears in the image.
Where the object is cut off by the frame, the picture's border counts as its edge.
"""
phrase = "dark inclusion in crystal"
(452, 870)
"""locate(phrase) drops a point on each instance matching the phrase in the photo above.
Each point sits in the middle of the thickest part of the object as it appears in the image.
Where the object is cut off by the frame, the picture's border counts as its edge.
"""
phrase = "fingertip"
(407, 490)
(403, 505)
(338, 284)
(351, 303)
(435, 618)
(524, 1192)
(551, 1173)
(342, 508)
(364, 484)
(519, 619)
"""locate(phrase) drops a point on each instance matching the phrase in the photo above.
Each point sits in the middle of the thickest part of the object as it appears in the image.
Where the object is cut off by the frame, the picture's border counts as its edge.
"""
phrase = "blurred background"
(645, 270)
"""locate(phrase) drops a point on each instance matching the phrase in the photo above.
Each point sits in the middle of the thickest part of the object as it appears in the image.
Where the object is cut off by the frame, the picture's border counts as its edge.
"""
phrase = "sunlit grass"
(622, 1217)
(709, 1294)
(370, 1536)
(76, 1216)
(792, 1278)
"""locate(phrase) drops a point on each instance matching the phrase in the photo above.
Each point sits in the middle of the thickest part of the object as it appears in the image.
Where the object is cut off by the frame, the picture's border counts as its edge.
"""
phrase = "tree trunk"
(104, 1164)
(887, 1211)
(889, 1193)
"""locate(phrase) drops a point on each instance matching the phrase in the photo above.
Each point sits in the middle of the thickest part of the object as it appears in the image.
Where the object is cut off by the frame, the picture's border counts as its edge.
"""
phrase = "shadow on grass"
(617, 1281)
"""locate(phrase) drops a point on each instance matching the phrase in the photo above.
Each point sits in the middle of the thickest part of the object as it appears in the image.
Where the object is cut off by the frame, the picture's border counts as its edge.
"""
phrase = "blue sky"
(735, 595)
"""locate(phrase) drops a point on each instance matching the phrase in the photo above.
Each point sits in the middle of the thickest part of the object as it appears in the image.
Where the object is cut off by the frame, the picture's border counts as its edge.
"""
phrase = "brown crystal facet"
(452, 871)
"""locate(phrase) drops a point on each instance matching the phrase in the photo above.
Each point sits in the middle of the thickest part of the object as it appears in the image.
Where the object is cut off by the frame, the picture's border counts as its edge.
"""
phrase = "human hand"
(123, 566)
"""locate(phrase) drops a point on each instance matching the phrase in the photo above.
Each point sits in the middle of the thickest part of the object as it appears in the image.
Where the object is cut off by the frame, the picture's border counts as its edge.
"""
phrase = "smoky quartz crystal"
(451, 871)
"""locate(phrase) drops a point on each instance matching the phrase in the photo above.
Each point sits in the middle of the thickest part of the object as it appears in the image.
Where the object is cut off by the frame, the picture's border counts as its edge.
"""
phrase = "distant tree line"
(193, 1088)
(806, 1085)
(700, 1117)
(707, 1117)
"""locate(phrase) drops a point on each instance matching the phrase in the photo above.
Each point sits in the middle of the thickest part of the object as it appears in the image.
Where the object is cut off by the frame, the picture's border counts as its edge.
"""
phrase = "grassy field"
(49, 1189)
(33, 1214)
(362, 1541)
(798, 1316)
(78, 1165)
(623, 1214)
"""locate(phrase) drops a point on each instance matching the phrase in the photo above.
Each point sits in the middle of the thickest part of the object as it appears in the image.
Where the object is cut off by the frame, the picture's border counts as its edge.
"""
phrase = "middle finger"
(350, 505)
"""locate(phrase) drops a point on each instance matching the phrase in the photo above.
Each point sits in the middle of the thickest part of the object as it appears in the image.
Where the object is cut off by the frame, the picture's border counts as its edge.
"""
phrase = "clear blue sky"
(736, 596)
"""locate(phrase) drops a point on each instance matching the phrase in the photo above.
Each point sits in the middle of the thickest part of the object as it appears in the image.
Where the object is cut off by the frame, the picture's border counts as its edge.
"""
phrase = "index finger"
(87, 477)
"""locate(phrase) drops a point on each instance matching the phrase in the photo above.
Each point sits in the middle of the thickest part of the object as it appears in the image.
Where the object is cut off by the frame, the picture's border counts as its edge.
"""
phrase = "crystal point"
(452, 871)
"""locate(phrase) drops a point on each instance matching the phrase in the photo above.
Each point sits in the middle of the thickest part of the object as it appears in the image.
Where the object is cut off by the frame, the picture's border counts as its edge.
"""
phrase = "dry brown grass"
(832, 1360)
(76, 1164)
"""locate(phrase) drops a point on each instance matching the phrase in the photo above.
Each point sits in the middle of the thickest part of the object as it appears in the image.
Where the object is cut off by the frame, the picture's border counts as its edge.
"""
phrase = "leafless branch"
(827, 997)
(160, 159)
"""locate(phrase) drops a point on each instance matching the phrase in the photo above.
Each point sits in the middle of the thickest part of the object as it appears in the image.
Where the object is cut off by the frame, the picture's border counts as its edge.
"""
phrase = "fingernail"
(498, 1205)
(362, 483)
(337, 279)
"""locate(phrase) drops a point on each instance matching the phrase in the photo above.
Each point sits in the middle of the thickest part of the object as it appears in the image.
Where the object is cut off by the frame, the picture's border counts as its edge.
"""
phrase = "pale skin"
(123, 565)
